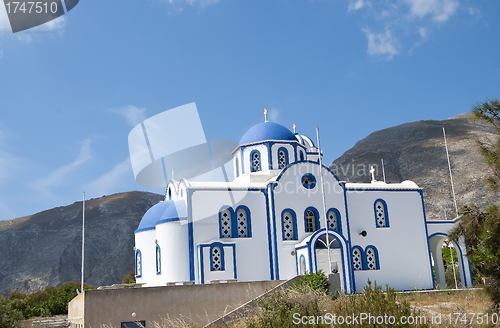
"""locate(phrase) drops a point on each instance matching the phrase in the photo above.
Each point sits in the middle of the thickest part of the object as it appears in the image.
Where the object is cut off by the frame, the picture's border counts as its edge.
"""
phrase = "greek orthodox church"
(284, 214)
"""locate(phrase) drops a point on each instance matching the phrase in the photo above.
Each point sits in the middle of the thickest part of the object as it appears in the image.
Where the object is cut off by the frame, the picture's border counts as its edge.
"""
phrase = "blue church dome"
(267, 131)
(153, 215)
(174, 212)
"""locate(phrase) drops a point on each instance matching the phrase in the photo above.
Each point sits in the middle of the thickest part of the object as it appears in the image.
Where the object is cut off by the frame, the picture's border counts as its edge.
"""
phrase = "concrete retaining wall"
(199, 304)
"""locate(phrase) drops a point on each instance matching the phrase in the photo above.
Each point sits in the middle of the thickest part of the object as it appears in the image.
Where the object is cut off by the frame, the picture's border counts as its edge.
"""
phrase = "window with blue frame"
(381, 215)
(357, 258)
(237, 166)
(216, 259)
(242, 222)
(138, 263)
(235, 225)
(371, 258)
(310, 221)
(282, 158)
(289, 225)
(333, 220)
(158, 259)
(225, 222)
(308, 181)
(255, 160)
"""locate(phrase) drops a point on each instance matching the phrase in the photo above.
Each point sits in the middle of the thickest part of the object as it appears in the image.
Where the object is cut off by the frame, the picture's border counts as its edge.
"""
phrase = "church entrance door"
(335, 257)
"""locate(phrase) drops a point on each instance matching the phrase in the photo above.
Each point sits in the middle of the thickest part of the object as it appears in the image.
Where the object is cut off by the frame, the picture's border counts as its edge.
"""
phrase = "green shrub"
(8, 316)
(277, 310)
(304, 306)
(377, 303)
(316, 281)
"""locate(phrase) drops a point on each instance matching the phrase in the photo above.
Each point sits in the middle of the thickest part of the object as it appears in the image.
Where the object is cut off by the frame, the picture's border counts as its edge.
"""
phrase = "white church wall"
(403, 253)
(290, 194)
(172, 237)
(253, 251)
(145, 243)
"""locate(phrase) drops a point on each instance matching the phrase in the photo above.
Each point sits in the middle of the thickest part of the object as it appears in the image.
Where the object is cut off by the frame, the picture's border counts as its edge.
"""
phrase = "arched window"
(158, 259)
(282, 158)
(138, 263)
(216, 258)
(333, 220)
(242, 222)
(301, 156)
(302, 265)
(357, 259)
(255, 160)
(371, 258)
(169, 193)
(381, 216)
(236, 164)
(225, 223)
(310, 221)
(289, 225)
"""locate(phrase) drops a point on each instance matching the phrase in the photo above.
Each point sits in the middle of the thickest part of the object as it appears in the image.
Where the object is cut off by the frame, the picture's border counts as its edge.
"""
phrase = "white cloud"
(474, 11)
(59, 175)
(401, 17)
(424, 36)
(358, 4)
(439, 10)
(132, 114)
(424, 33)
(382, 44)
(274, 114)
(109, 182)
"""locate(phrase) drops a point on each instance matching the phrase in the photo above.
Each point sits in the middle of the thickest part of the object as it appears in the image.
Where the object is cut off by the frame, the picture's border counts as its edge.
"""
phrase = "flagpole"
(83, 238)
(451, 176)
(383, 169)
(324, 203)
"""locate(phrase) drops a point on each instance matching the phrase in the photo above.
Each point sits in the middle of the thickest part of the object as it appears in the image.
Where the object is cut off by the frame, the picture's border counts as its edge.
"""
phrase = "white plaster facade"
(269, 224)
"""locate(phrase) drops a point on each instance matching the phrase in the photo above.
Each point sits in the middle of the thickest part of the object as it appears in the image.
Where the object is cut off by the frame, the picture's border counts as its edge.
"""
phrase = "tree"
(129, 278)
(482, 228)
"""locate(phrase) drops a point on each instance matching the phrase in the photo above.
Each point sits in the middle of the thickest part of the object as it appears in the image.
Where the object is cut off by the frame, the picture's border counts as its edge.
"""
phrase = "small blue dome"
(174, 213)
(267, 131)
(153, 215)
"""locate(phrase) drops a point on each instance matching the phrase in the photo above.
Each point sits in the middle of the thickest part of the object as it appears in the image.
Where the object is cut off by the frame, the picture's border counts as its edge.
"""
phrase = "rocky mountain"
(416, 151)
(45, 248)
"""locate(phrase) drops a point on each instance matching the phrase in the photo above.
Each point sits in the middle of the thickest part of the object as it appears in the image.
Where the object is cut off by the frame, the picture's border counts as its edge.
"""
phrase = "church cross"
(265, 114)
(372, 171)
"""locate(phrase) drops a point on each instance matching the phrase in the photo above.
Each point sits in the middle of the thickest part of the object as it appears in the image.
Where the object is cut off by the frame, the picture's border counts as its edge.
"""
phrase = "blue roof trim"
(267, 131)
(144, 229)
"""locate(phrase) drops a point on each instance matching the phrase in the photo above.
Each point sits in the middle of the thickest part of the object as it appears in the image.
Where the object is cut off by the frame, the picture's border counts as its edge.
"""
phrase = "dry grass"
(461, 306)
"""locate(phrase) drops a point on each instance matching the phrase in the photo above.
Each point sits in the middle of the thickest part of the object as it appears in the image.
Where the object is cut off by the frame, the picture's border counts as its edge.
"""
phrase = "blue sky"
(72, 89)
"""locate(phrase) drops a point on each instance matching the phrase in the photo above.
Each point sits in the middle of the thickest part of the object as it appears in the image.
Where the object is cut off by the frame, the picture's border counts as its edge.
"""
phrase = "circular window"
(308, 181)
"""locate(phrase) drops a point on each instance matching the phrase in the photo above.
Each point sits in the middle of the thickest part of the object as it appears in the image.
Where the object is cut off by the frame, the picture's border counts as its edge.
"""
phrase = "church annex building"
(269, 224)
